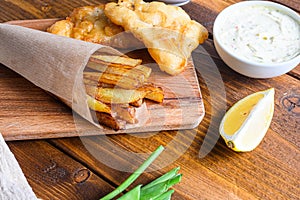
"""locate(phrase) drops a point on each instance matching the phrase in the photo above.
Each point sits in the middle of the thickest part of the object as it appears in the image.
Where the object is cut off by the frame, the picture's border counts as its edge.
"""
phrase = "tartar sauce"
(262, 34)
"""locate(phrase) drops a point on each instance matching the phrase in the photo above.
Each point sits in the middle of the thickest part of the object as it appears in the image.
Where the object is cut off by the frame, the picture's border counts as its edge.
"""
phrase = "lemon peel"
(245, 124)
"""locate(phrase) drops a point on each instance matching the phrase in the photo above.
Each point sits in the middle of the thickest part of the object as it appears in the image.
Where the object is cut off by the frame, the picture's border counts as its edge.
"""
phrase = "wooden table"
(73, 168)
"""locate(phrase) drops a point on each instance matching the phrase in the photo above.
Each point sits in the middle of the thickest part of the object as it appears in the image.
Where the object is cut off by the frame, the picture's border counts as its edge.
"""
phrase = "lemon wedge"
(245, 124)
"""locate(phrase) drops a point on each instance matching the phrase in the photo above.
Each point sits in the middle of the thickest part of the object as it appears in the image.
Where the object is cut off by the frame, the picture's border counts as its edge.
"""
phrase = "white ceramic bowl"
(175, 2)
(242, 64)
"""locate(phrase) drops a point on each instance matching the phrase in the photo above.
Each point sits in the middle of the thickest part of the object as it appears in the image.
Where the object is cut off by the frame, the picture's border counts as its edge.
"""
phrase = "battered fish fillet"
(167, 31)
(90, 24)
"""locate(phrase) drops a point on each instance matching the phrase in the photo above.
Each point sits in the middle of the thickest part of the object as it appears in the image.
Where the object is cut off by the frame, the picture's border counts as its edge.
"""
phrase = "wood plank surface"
(222, 174)
(182, 107)
(271, 171)
(61, 176)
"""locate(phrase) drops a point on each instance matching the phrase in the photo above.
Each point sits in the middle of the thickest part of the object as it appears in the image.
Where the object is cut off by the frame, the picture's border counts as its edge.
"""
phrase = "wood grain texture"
(222, 174)
(182, 107)
(60, 176)
(269, 172)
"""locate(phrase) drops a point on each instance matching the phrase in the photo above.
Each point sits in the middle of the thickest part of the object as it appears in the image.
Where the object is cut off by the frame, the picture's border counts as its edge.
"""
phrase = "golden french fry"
(153, 92)
(90, 82)
(98, 105)
(145, 70)
(112, 79)
(117, 89)
(132, 73)
(122, 62)
(118, 60)
(110, 121)
(137, 103)
(124, 112)
(96, 83)
(156, 95)
(115, 95)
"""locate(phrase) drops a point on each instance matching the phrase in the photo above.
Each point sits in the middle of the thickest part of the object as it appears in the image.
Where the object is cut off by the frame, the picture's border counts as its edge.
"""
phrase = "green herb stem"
(159, 188)
(165, 196)
(134, 176)
(163, 178)
(133, 194)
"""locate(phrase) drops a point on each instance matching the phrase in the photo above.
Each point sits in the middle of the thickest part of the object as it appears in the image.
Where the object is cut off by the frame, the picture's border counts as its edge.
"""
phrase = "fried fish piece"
(62, 27)
(89, 23)
(167, 31)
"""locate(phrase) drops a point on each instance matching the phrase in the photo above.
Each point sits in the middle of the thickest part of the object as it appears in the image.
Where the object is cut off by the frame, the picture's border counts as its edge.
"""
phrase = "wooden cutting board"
(28, 112)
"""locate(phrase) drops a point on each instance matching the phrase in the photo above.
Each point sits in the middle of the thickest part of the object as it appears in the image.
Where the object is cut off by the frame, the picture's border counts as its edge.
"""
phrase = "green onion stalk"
(159, 189)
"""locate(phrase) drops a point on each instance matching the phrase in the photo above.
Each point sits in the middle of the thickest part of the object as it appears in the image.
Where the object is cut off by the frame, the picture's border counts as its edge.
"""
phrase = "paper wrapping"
(53, 63)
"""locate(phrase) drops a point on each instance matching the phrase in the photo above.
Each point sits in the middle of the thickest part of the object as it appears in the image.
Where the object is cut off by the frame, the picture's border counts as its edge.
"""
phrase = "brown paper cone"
(51, 62)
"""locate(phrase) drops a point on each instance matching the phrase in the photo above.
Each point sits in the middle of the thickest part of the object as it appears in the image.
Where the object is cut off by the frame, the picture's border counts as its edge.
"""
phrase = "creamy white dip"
(262, 34)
